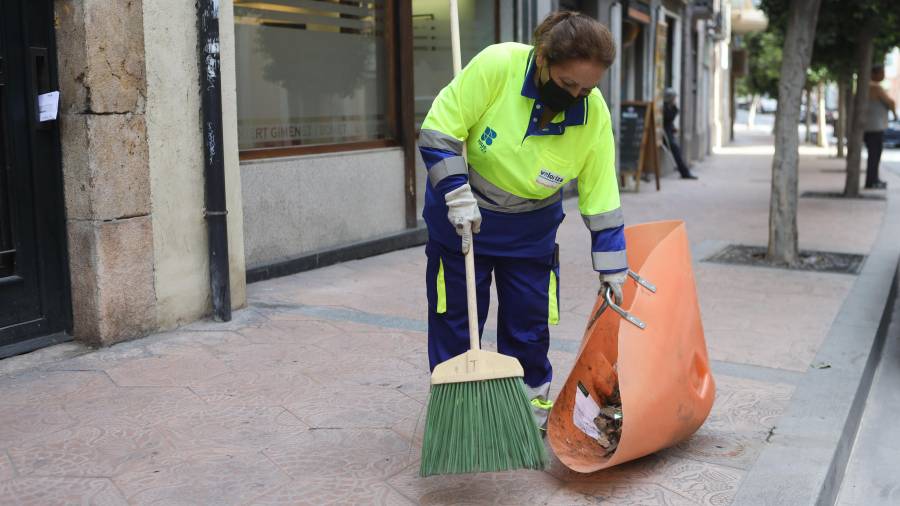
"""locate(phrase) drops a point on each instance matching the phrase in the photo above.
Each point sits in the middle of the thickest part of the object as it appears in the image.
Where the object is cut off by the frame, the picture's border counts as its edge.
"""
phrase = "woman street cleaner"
(532, 119)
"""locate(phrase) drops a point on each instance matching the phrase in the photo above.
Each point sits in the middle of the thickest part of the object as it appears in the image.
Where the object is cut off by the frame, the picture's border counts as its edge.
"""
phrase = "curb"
(804, 462)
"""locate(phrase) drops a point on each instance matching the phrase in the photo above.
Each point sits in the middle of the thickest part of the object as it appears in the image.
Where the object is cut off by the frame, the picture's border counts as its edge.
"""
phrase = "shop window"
(433, 63)
(314, 75)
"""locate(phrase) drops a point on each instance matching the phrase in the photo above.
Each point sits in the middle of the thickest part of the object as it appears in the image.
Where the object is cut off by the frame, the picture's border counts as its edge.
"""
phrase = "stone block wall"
(105, 166)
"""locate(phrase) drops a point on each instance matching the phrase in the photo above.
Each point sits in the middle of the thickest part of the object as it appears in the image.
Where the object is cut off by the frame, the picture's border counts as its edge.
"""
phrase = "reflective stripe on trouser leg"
(540, 402)
(448, 332)
(522, 331)
(441, 306)
(553, 300)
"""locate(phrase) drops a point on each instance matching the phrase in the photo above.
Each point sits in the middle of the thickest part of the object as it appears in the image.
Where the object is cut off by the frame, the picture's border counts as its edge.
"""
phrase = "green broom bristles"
(480, 426)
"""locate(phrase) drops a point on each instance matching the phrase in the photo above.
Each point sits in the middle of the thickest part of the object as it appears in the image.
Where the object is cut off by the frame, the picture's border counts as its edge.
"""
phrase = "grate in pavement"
(839, 195)
(820, 261)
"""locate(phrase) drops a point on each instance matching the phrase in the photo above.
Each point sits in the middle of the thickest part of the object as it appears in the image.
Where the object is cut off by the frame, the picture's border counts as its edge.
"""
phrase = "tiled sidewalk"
(315, 394)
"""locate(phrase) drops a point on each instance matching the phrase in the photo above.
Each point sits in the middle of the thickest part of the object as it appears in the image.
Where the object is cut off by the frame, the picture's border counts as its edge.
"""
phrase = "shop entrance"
(34, 292)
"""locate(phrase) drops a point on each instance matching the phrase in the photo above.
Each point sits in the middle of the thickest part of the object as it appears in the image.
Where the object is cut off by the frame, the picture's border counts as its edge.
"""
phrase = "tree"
(799, 19)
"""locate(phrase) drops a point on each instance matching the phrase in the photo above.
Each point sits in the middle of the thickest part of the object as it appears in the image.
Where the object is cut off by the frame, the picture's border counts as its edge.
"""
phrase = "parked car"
(768, 105)
(892, 135)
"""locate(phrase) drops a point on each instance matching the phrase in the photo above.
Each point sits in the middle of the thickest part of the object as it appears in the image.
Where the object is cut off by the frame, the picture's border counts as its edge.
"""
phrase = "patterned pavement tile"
(380, 342)
(49, 387)
(366, 370)
(749, 406)
(345, 407)
(6, 468)
(168, 371)
(412, 428)
(508, 488)
(732, 449)
(288, 332)
(343, 453)
(61, 492)
(704, 483)
(249, 427)
(255, 388)
(334, 491)
(89, 451)
(186, 342)
(214, 476)
(135, 406)
(24, 422)
(700, 482)
(272, 357)
(617, 494)
(418, 388)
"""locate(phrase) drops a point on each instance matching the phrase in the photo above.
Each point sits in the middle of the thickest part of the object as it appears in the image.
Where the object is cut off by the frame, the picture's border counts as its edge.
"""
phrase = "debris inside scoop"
(609, 423)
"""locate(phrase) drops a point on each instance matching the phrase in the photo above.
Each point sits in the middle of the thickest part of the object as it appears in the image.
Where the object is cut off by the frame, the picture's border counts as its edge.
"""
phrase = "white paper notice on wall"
(586, 410)
(48, 105)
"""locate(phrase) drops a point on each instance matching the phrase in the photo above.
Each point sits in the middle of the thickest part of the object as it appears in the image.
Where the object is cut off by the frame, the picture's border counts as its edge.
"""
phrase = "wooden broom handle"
(472, 298)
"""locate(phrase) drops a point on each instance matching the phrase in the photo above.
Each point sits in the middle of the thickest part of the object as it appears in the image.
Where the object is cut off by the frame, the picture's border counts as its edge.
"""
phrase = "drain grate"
(819, 261)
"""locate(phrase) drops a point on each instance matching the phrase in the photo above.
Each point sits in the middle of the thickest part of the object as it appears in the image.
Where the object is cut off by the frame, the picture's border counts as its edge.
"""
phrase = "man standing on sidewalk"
(876, 122)
(670, 112)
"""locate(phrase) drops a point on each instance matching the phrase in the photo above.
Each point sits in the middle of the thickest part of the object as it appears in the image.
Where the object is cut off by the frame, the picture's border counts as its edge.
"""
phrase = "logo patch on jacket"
(549, 179)
(487, 138)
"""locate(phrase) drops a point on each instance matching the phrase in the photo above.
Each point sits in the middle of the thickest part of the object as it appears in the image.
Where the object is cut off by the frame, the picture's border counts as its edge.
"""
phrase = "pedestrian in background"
(876, 122)
(670, 112)
(532, 119)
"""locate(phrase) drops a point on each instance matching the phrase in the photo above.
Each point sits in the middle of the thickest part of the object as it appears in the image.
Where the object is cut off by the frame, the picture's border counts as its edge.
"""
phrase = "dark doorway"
(34, 291)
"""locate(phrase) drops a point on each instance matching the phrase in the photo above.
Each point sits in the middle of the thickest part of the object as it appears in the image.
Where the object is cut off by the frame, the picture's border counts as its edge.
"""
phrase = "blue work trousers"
(526, 307)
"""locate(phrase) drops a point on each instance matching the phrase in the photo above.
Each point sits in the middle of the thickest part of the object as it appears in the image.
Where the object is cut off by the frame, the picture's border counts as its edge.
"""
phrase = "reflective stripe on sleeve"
(439, 140)
(602, 221)
(609, 260)
(447, 167)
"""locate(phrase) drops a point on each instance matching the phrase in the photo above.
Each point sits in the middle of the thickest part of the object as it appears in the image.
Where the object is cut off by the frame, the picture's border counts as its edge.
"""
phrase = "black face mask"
(554, 96)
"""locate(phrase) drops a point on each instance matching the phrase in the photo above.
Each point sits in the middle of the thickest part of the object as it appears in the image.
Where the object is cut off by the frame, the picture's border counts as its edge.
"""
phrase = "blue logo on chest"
(487, 138)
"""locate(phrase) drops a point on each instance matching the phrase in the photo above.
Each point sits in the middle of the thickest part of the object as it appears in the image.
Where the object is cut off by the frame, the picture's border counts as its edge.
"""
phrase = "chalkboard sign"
(638, 150)
(631, 136)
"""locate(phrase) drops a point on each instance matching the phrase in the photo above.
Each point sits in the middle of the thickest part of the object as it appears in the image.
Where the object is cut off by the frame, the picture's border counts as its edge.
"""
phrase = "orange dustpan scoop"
(660, 373)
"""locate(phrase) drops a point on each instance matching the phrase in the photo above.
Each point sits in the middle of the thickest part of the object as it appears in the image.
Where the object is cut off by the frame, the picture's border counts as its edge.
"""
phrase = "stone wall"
(105, 166)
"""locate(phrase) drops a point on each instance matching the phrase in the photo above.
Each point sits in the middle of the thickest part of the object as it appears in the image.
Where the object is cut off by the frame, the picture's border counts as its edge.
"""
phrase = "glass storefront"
(324, 72)
(311, 72)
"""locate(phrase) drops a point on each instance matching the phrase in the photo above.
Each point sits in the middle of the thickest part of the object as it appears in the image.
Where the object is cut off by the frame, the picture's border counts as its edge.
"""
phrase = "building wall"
(294, 206)
(132, 165)
(176, 161)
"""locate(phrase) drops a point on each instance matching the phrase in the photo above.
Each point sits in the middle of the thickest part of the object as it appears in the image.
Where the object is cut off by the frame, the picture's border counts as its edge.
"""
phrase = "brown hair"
(569, 35)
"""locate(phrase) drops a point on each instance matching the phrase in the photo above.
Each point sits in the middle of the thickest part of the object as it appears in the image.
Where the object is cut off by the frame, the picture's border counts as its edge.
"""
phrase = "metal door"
(34, 293)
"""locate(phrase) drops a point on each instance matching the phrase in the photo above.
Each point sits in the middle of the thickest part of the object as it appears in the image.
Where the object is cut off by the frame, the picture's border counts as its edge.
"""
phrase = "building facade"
(103, 225)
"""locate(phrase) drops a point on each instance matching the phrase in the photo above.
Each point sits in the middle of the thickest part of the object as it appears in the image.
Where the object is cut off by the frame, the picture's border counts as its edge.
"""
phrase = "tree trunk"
(864, 49)
(751, 114)
(798, 46)
(822, 136)
(808, 132)
(840, 124)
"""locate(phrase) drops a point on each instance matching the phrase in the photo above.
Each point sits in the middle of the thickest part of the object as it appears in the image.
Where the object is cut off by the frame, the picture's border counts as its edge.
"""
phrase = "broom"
(479, 418)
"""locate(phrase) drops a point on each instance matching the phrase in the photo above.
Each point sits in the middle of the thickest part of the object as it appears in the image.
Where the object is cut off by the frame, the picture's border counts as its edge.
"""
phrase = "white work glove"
(463, 213)
(615, 282)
